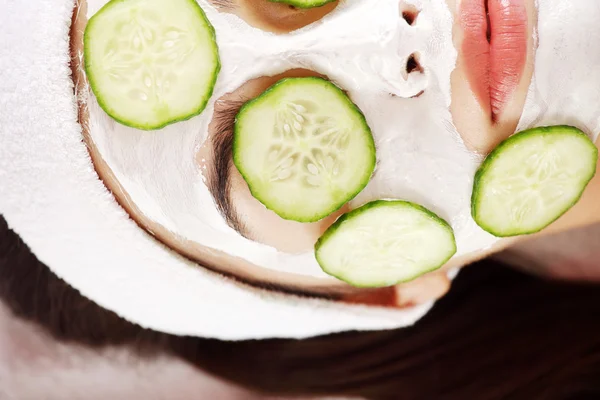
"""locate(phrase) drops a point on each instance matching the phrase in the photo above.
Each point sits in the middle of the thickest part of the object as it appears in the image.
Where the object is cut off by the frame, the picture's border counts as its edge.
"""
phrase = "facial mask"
(564, 90)
(363, 47)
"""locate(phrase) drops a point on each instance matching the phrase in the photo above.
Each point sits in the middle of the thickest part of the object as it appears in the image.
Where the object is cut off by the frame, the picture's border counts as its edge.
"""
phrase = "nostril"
(409, 17)
(409, 13)
(412, 64)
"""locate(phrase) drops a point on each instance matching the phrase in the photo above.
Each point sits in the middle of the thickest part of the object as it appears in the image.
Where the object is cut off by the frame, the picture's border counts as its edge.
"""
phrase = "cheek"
(264, 226)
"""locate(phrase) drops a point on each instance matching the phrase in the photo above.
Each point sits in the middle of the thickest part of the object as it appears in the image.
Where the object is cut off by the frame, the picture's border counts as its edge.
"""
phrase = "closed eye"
(222, 165)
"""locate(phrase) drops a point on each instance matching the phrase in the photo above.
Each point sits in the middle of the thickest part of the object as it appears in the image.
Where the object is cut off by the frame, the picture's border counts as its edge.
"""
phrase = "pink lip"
(495, 66)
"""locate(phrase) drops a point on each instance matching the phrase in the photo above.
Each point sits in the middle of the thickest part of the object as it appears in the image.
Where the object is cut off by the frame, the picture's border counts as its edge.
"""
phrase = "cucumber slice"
(303, 148)
(151, 63)
(532, 179)
(384, 243)
(304, 3)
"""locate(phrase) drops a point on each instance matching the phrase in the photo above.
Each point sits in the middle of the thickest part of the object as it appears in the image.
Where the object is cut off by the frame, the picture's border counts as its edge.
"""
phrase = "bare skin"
(429, 287)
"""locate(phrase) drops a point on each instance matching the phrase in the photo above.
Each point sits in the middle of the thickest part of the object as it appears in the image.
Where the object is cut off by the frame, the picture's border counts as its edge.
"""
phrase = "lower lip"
(494, 67)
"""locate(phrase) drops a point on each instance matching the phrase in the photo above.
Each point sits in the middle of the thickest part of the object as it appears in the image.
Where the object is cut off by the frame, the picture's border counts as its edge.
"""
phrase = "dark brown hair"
(497, 335)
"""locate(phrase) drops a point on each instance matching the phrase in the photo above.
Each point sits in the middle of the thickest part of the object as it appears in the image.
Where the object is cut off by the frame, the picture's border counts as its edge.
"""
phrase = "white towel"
(51, 195)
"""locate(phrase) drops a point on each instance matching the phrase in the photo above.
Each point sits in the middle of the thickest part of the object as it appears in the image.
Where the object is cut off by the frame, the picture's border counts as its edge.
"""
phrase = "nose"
(399, 62)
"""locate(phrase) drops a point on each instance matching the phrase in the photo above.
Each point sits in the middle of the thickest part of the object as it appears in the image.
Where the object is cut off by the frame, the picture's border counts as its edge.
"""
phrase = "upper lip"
(494, 49)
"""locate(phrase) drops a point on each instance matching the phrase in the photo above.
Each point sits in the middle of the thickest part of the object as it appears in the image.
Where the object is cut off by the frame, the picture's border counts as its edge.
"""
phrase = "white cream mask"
(566, 80)
(363, 46)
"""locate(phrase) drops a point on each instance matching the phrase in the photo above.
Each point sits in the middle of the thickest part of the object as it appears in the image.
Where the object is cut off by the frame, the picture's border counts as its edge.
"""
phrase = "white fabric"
(52, 197)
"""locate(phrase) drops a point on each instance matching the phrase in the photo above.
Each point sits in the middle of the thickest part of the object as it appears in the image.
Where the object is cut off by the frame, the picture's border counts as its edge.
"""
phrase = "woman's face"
(441, 83)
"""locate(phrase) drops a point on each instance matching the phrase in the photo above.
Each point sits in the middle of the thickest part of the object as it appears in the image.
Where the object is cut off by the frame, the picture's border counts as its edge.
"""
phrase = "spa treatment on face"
(320, 167)
(532, 179)
(303, 148)
(151, 63)
(342, 147)
(384, 243)
(369, 126)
